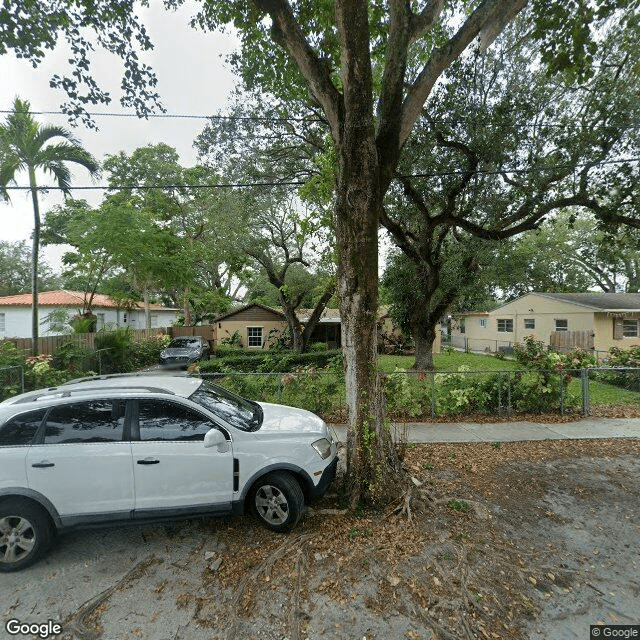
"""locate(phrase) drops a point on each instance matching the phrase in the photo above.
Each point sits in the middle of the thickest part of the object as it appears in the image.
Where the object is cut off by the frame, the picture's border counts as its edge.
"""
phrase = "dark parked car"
(185, 351)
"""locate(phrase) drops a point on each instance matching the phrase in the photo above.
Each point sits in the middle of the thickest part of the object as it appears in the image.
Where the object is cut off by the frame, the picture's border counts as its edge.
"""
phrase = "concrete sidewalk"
(586, 428)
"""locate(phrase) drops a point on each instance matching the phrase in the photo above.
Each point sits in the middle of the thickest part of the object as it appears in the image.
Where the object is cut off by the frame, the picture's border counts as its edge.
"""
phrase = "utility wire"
(188, 116)
(148, 187)
(293, 183)
(521, 171)
(177, 116)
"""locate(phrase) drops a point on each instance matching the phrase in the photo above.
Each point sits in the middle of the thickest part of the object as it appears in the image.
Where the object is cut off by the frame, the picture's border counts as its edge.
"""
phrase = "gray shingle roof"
(600, 301)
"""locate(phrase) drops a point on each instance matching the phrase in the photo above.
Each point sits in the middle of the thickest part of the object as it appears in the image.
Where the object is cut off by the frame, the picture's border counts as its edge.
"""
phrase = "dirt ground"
(515, 540)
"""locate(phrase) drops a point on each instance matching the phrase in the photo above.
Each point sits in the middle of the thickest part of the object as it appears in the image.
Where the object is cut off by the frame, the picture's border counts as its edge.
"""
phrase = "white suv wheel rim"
(272, 504)
(17, 538)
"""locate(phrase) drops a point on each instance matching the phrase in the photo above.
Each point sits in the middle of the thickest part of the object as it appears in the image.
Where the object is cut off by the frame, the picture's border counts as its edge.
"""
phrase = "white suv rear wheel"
(25, 533)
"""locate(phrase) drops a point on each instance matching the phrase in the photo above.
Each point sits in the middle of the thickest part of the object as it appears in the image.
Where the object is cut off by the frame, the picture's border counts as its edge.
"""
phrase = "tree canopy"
(15, 270)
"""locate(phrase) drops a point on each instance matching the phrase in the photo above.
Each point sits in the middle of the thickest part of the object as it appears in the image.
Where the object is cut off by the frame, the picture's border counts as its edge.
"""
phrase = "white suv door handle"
(43, 465)
(149, 461)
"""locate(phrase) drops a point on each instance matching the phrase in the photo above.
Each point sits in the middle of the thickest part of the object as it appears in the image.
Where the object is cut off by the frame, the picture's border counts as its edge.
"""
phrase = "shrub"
(621, 358)
(268, 361)
(74, 357)
(318, 346)
(147, 352)
(455, 392)
(234, 340)
(10, 355)
(533, 354)
(407, 395)
(321, 391)
(115, 350)
(40, 374)
(12, 364)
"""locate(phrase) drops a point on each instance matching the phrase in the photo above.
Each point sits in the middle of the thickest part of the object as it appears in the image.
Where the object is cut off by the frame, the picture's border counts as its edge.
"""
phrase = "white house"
(591, 320)
(15, 313)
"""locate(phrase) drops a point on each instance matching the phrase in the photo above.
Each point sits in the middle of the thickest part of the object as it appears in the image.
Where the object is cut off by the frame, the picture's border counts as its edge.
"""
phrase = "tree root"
(295, 606)
(240, 593)
(418, 496)
(77, 623)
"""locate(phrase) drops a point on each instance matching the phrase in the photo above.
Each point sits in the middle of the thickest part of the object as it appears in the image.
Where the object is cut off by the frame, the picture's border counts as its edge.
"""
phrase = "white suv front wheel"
(277, 501)
(25, 534)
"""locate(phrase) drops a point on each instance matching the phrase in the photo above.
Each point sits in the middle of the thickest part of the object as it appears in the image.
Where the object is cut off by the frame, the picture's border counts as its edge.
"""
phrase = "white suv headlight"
(323, 448)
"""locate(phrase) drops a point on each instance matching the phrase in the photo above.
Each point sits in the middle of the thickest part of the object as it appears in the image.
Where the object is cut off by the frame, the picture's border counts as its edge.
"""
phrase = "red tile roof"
(63, 298)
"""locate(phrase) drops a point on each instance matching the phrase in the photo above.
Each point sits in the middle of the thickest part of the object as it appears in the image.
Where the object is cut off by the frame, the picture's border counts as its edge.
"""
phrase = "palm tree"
(25, 145)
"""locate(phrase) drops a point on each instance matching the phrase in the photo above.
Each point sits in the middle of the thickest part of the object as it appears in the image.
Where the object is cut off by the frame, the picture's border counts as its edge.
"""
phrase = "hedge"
(269, 361)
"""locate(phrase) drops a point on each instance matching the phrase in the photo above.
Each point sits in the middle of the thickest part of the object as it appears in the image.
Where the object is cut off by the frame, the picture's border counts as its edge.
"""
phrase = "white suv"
(131, 448)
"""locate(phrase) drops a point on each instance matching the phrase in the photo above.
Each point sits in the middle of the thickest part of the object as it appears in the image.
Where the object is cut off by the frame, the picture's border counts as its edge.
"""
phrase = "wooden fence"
(47, 345)
(566, 340)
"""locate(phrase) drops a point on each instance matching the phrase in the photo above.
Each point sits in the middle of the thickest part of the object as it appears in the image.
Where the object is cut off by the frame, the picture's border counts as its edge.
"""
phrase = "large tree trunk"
(424, 334)
(35, 347)
(371, 458)
(372, 464)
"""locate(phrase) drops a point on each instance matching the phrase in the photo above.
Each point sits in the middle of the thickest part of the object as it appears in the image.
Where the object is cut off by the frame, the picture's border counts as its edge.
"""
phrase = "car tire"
(277, 501)
(25, 534)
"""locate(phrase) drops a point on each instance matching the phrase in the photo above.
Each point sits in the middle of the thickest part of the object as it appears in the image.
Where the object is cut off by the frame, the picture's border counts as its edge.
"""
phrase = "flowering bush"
(533, 354)
(621, 359)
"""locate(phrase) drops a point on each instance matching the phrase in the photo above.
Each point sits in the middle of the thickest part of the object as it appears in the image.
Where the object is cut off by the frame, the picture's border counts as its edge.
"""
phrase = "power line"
(497, 172)
(190, 116)
(149, 187)
(177, 116)
(295, 183)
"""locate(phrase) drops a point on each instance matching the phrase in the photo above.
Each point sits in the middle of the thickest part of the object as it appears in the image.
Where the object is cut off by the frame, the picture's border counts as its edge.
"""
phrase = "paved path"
(586, 428)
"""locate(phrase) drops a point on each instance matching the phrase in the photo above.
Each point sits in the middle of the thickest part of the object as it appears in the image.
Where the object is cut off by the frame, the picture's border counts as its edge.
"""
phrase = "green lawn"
(601, 394)
(451, 362)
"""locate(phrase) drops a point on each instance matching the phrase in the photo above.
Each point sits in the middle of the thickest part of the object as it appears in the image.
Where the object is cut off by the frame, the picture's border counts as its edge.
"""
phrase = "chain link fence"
(416, 396)
(11, 381)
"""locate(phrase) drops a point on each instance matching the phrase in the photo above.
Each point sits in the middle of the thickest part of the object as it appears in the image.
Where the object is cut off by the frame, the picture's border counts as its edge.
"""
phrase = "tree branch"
(487, 13)
(404, 238)
(420, 23)
(395, 67)
(286, 32)
(318, 310)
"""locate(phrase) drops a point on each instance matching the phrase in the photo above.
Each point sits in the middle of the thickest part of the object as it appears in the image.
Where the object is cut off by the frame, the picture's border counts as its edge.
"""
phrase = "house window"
(505, 325)
(2, 323)
(483, 323)
(254, 337)
(463, 326)
(100, 320)
(562, 325)
(630, 328)
(154, 320)
(529, 323)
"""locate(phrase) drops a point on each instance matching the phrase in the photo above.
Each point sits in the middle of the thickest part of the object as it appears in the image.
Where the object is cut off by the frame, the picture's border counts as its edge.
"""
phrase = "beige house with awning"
(592, 321)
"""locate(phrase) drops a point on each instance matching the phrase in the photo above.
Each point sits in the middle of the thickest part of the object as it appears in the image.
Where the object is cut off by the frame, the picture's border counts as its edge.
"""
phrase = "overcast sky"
(192, 79)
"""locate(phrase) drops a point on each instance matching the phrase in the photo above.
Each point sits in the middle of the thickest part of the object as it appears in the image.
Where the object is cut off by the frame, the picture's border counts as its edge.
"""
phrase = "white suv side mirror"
(214, 438)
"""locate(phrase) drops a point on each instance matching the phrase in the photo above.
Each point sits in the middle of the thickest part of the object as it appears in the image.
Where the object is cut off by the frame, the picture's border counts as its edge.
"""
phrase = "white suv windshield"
(237, 411)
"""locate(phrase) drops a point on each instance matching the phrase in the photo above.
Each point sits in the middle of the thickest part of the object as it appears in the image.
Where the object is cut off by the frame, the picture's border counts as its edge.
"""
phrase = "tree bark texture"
(372, 463)
(423, 335)
(35, 347)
